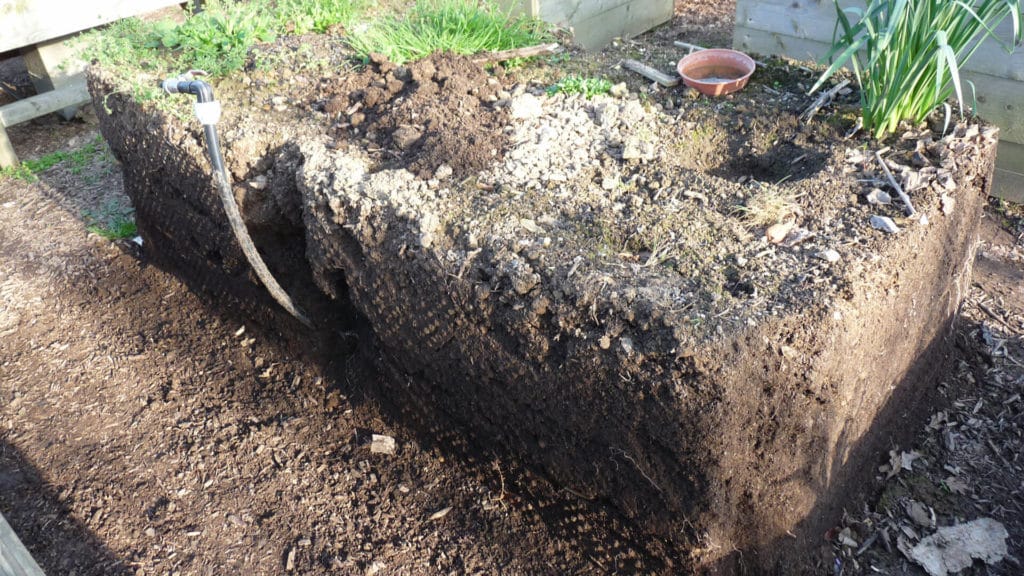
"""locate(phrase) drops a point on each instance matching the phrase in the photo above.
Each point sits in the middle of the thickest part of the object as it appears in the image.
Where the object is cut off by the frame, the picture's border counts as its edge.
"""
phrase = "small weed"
(768, 206)
(19, 172)
(112, 221)
(588, 87)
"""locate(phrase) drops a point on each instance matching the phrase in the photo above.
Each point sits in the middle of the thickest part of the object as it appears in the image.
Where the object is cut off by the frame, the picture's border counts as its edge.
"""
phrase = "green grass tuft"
(112, 221)
(459, 26)
(588, 87)
(77, 160)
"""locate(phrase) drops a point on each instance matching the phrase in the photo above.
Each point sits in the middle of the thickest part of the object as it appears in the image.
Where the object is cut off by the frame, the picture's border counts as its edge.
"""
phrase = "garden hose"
(207, 110)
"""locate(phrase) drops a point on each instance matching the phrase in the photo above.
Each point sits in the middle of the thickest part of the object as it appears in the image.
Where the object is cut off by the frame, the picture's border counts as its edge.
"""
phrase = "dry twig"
(651, 73)
(527, 52)
(824, 99)
(896, 185)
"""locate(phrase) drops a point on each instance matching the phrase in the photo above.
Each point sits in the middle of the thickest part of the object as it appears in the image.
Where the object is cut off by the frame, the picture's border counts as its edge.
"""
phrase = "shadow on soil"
(44, 523)
(850, 479)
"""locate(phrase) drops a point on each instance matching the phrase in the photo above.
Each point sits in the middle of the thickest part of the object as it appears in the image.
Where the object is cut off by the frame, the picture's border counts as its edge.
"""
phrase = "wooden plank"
(1001, 102)
(1008, 185)
(7, 156)
(14, 558)
(29, 22)
(813, 20)
(45, 103)
(626, 20)
(758, 41)
(53, 65)
(573, 11)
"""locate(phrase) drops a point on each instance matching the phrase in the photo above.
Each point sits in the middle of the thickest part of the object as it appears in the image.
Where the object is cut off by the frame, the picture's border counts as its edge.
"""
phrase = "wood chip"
(440, 513)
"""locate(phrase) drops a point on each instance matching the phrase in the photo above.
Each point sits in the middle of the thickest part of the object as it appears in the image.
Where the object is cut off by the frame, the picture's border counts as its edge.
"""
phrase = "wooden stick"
(896, 185)
(648, 72)
(527, 52)
(691, 47)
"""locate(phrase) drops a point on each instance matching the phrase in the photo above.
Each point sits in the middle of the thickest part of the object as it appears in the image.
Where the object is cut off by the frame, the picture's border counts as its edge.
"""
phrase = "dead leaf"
(907, 460)
(953, 548)
(937, 420)
(956, 485)
(919, 514)
(846, 538)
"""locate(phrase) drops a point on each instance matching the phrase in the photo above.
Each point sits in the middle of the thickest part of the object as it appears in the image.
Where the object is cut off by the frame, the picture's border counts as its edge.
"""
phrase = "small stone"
(948, 204)
(637, 149)
(741, 261)
(605, 342)
(878, 197)
(382, 444)
(606, 114)
(530, 226)
(777, 232)
(619, 90)
(829, 255)
(526, 106)
(885, 224)
(405, 136)
(289, 563)
(627, 345)
(151, 532)
(443, 171)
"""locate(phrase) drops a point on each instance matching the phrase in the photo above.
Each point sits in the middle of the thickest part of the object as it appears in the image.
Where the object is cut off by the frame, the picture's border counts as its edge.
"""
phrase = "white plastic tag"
(208, 112)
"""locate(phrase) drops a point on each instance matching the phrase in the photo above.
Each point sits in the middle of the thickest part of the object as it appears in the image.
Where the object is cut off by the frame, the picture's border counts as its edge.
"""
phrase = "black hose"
(204, 93)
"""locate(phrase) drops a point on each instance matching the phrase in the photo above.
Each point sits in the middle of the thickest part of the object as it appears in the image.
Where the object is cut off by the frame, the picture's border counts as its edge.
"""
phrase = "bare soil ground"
(143, 431)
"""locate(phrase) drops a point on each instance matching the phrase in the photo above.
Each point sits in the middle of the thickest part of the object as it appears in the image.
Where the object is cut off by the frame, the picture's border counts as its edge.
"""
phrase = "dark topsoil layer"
(586, 284)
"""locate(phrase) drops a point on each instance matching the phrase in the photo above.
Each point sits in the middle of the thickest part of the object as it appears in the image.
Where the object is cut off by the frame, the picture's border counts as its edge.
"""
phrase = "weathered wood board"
(1009, 179)
(40, 27)
(14, 558)
(595, 22)
(802, 29)
(30, 22)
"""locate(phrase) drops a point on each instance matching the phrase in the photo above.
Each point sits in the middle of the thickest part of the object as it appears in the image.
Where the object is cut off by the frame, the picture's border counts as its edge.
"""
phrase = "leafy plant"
(459, 26)
(216, 40)
(907, 54)
(588, 87)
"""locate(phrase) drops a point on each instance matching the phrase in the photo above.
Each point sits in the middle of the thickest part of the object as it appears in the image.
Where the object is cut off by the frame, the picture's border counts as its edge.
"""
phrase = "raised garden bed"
(587, 283)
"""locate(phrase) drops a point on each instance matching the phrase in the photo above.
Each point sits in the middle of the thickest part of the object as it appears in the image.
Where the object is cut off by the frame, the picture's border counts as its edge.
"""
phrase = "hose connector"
(206, 108)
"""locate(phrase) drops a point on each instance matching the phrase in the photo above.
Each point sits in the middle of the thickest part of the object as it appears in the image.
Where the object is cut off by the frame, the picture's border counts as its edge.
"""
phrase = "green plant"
(588, 87)
(317, 16)
(216, 40)
(907, 54)
(112, 221)
(459, 26)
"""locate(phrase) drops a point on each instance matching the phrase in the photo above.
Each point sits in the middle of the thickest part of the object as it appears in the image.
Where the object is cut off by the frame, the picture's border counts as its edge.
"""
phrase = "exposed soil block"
(588, 283)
